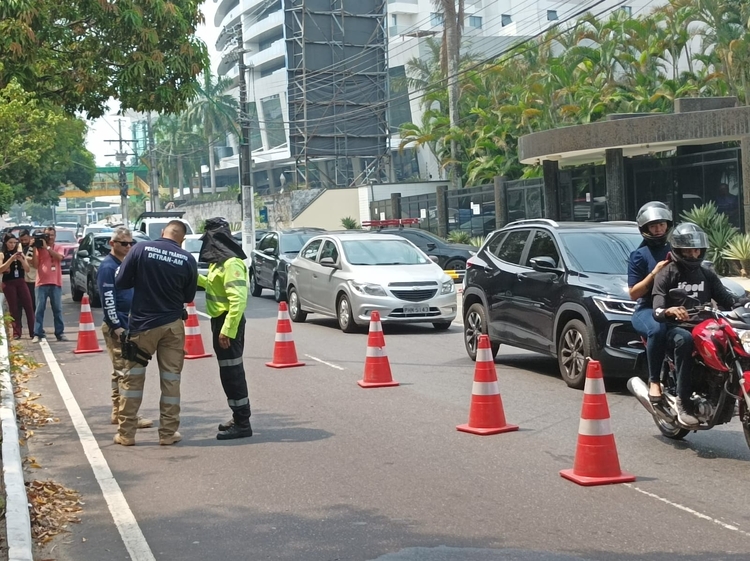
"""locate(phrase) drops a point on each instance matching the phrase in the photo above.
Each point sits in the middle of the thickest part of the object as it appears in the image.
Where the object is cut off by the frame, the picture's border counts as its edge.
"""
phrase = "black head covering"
(218, 243)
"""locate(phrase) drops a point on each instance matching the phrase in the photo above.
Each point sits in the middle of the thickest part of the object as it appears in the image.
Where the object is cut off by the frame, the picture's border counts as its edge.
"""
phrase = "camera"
(38, 239)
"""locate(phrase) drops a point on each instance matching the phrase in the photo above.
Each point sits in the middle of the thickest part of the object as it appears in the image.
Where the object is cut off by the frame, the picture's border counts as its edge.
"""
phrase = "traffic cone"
(87, 341)
(377, 367)
(193, 340)
(596, 461)
(284, 352)
(486, 414)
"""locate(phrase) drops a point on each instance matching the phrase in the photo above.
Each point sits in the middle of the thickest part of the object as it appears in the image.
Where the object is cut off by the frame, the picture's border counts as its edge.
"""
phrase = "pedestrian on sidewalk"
(165, 278)
(47, 261)
(226, 299)
(116, 304)
(28, 250)
(14, 268)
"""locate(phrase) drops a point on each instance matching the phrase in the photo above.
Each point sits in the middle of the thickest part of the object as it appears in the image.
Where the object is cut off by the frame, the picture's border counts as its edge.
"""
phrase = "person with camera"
(226, 299)
(47, 261)
(164, 278)
(14, 268)
(28, 250)
(116, 304)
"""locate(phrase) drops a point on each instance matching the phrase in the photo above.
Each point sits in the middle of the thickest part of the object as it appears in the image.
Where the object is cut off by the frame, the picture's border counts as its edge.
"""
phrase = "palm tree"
(170, 131)
(213, 113)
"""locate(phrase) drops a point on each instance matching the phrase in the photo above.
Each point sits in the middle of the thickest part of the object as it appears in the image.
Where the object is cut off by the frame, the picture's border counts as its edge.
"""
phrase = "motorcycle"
(721, 372)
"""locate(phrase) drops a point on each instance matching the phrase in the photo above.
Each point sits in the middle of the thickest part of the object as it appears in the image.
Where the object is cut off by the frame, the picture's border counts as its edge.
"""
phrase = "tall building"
(287, 61)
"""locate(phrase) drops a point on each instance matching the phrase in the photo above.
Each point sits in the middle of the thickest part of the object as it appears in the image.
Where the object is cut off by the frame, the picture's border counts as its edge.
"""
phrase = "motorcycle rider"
(689, 245)
(655, 223)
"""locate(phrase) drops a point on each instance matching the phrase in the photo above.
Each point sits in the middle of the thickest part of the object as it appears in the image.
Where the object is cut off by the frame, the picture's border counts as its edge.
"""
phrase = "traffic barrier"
(87, 341)
(193, 339)
(284, 351)
(486, 414)
(596, 461)
(456, 275)
(377, 368)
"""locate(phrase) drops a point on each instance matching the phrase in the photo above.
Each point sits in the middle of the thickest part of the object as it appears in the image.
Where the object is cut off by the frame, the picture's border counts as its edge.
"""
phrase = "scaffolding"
(338, 90)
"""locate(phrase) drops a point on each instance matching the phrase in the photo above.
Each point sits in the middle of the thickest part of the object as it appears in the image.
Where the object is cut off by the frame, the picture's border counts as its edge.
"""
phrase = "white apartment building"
(490, 27)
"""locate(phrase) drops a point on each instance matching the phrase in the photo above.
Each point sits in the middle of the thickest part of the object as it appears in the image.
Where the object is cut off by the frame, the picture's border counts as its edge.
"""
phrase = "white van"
(152, 223)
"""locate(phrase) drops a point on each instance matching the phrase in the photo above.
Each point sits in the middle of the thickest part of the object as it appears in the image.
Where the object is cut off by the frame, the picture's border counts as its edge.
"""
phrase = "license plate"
(416, 309)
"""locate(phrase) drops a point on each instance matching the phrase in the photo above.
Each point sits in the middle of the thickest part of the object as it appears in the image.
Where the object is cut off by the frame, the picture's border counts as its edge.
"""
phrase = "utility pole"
(452, 24)
(154, 190)
(122, 174)
(245, 155)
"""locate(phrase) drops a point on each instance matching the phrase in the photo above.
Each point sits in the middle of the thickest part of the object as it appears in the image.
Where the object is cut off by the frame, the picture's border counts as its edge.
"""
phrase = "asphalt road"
(336, 472)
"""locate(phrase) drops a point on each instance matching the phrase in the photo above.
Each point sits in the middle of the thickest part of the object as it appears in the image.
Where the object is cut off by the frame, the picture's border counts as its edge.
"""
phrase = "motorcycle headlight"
(615, 306)
(367, 289)
(744, 335)
(447, 287)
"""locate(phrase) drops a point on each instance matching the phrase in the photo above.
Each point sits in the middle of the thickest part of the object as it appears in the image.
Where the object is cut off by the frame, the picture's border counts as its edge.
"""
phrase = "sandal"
(654, 399)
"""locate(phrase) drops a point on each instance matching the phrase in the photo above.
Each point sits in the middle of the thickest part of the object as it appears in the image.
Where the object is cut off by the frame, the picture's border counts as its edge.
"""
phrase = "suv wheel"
(575, 344)
(255, 288)
(279, 294)
(475, 325)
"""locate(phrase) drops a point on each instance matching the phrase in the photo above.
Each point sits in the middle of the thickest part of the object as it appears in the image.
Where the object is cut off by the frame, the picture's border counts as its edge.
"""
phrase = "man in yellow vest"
(226, 299)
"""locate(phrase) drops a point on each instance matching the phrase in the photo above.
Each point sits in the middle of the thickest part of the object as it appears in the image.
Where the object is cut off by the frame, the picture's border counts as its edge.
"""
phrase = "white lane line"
(337, 367)
(202, 314)
(690, 511)
(131, 533)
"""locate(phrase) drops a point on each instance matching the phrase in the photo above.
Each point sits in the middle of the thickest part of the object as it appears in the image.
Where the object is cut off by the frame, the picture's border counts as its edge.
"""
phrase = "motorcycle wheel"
(745, 420)
(671, 430)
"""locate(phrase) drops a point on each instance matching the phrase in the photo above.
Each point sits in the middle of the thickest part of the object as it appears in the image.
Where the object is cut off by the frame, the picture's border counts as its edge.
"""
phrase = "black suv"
(558, 289)
(270, 259)
(450, 256)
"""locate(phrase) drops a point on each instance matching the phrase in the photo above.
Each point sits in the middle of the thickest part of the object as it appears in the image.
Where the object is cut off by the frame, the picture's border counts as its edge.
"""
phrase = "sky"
(104, 129)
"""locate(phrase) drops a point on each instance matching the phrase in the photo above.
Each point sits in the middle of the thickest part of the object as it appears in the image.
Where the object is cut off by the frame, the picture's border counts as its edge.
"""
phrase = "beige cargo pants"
(167, 342)
(118, 367)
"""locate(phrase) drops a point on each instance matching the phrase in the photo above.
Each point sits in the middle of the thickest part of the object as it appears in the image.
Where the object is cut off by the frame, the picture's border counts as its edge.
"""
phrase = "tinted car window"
(101, 246)
(292, 243)
(420, 241)
(494, 244)
(329, 250)
(602, 252)
(542, 245)
(512, 247)
(193, 245)
(311, 250)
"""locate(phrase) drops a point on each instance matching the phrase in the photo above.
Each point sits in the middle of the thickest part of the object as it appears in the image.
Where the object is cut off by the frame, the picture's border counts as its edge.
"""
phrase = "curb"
(17, 519)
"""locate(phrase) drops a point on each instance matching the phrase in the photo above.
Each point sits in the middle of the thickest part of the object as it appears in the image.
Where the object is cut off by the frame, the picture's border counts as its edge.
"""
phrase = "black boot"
(225, 426)
(235, 431)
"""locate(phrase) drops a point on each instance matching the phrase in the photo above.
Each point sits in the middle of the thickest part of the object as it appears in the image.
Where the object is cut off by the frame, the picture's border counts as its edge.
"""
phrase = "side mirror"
(329, 262)
(543, 263)
(83, 253)
(431, 246)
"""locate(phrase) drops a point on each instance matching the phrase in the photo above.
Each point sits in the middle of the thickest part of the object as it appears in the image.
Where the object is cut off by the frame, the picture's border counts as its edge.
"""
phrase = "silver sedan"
(350, 275)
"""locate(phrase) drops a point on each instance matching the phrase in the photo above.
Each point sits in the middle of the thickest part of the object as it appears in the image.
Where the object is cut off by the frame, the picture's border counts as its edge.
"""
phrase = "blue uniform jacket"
(164, 276)
(115, 303)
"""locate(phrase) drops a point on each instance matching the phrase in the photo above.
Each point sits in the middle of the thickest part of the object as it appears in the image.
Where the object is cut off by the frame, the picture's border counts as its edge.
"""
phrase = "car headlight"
(615, 306)
(448, 287)
(367, 289)
(744, 335)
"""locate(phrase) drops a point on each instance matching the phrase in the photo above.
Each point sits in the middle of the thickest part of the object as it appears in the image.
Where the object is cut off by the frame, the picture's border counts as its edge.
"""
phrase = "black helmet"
(689, 236)
(649, 213)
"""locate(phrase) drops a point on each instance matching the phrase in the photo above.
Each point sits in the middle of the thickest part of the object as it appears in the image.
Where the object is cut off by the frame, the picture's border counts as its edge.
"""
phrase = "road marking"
(690, 511)
(202, 314)
(131, 533)
(326, 363)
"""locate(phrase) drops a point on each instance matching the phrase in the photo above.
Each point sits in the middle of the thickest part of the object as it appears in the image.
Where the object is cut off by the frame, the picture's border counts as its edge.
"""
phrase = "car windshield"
(193, 245)
(600, 252)
(382, 252)
(64, 236)
(292, 243)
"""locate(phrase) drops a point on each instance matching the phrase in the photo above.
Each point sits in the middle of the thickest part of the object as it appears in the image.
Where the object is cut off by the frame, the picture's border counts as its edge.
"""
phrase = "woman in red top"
(14, 268)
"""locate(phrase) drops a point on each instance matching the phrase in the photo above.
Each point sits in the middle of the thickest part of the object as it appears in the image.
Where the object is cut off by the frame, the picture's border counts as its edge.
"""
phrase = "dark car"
(558, 289)
(270, 259)
(450, 256)
(259, 233)
(85, 266)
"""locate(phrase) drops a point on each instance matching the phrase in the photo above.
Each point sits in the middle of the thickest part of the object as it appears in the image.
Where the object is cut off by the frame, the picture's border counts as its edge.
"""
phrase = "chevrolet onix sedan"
(350, 275)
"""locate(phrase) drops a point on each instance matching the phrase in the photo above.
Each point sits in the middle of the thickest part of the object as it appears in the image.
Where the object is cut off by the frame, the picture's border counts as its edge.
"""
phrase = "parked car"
(269, 261)
(350, 275)
(85, 265)
(192, 244)
(259, 233)
(152, 223)
(450, 256)
(555, 288)
(66, 238)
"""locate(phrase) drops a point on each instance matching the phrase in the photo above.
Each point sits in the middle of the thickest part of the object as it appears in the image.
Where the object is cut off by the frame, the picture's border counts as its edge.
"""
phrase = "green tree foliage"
(79, 53)
(580, 75)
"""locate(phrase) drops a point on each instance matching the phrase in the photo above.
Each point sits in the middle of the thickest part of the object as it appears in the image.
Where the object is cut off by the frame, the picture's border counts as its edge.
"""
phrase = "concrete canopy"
(634, 135)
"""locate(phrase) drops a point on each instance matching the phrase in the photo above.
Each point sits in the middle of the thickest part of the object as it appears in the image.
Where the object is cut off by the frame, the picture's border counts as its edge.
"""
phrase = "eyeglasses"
(124, 243)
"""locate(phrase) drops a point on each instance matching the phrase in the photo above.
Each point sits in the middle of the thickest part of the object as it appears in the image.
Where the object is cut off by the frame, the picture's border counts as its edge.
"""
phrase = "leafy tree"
(79, 53)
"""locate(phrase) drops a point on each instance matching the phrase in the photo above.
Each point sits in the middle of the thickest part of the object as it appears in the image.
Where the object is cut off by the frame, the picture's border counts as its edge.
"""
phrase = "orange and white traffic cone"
(377, 368)
(193, 339)
(284, 351)
(486, 414)
(87, 341)
(596, 461)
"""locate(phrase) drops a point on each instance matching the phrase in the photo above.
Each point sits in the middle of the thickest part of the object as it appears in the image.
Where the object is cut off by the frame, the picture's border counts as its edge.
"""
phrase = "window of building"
(394, 19)
(475, 22)
(267, 71)
(399, 109)
(266, 44)
(274, 121)
(506, 19)
(551, 15)
(436, 19)
(628, 11)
